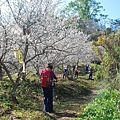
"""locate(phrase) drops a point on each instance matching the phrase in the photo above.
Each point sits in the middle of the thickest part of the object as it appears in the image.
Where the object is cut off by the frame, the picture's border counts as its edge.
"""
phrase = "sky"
(112, 8)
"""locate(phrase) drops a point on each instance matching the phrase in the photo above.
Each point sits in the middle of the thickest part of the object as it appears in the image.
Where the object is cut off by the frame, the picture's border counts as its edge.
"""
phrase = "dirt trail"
(74, 105)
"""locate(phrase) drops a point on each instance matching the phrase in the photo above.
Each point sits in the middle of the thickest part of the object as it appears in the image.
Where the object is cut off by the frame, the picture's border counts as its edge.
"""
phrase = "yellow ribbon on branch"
(15, 54)
(18, 55)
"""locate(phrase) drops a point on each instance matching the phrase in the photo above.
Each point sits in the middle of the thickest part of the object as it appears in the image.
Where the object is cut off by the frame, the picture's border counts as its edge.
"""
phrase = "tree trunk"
(14, 99)
(0, 72)
(13, 92)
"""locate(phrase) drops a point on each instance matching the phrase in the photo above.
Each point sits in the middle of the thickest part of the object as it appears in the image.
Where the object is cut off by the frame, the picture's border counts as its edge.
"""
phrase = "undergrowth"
(106, 106)
(30, 99)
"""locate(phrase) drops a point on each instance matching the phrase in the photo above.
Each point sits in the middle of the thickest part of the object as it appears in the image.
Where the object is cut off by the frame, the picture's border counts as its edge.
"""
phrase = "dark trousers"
(90, 76)
(65, 75)
(76, 74)
(86, 71)
(48, 98)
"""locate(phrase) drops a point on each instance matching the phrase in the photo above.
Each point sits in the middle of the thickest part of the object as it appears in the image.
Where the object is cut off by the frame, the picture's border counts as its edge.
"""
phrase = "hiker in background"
(68, 69)
(65, 73)
(76, 72)
(90, 73)
(87, 68)
(73, 66)
(46, 80)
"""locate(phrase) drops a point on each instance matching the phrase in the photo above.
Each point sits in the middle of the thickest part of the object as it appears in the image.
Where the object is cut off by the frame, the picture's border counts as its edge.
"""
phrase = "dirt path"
(73, 107)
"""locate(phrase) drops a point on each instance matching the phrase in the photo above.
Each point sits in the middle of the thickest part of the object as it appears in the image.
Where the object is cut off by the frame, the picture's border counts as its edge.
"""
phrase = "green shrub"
(115, 83)
(98, 72)
(106, 106)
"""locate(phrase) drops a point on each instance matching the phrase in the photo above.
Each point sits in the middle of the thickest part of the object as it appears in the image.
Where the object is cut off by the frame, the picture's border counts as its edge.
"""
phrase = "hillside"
(72, 96)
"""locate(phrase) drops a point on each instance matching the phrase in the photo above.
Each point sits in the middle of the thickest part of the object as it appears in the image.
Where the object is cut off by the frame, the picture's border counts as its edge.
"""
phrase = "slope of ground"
(73, 99)
(72, 96)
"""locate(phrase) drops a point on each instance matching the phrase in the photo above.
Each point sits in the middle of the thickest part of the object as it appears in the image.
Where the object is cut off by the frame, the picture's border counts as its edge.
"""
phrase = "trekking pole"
(54, 90)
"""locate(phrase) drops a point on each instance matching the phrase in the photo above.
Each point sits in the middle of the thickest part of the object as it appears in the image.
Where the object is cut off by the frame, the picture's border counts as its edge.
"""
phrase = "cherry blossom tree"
(32, 34)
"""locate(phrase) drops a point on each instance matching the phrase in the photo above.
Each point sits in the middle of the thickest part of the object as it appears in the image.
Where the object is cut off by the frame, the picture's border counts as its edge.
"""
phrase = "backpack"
(65, 70)
(45, 78)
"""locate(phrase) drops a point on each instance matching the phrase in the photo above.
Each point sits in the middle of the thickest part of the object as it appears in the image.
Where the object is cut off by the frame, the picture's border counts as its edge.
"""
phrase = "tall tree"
(114, 24)
(85, 9)
(87, 12)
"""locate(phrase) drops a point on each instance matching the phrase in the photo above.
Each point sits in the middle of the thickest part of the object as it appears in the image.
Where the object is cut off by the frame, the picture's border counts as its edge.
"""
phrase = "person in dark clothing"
(90, 73)
(48, 91)
(87, 68)
(73, 66)
(65, 73)
(76, 72)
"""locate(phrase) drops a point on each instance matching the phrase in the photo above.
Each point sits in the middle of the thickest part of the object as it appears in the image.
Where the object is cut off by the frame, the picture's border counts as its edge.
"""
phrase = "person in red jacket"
(76, 72)
(90, 73)
(48, 91)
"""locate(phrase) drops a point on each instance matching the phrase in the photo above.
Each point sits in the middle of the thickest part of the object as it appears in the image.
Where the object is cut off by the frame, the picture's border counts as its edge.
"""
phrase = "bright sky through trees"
(112, 7)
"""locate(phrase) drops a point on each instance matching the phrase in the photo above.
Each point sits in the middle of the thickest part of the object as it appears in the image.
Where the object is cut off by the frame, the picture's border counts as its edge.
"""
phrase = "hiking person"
(76, 72)
(65, 73)
(68, 69)
(46, 81)
(73, 66)
(90, 73)
(87, 68)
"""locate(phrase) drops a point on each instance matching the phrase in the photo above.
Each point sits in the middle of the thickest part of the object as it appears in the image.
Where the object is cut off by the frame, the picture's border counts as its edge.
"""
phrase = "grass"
(71, 95)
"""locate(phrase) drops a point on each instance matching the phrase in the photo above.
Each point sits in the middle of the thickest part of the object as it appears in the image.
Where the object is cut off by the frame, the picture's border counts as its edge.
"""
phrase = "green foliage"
(115, 24)
(115, 84)
(29, 114)
(98, 72)
(28, 94)
(94, 36)
(108, 52)
(85, 9)
(87, 14)
(5, 94)
(106, 106)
